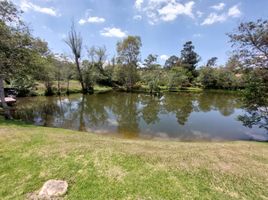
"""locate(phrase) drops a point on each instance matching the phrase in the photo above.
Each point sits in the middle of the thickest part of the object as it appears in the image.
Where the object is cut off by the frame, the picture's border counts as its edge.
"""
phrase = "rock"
(53, 188)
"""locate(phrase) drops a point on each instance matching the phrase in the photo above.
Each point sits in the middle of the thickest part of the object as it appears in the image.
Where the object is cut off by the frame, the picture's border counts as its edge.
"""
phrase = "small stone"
(53, 188)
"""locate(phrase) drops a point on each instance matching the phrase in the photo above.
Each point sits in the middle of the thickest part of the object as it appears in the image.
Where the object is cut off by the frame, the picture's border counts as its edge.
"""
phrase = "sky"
(163, 25)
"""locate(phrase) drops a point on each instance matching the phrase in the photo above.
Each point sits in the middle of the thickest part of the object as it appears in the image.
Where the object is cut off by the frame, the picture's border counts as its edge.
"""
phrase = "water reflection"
(186, 116)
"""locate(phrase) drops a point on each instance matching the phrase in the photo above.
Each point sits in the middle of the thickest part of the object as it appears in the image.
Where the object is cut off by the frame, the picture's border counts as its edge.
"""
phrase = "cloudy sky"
(164, 25)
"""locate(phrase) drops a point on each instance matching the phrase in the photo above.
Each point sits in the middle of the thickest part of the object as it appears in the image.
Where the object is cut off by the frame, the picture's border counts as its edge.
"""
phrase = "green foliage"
(9, 12)
(178, 77)
(24, 85)
(212, 62)
(16, 48)
(172, 61)
(152, 78)
(233, 64)
(256, 91)
(128, 52)
(251, 46)
(151, 62)
(189, 57)
(219, 78)
(30, 59)
(208, 77)
(256, 99)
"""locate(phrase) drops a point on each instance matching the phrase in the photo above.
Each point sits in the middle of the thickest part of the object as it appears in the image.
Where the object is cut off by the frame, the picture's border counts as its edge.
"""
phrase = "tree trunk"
(68, 83)
(80, 75)
(2, 97)
(59, 90)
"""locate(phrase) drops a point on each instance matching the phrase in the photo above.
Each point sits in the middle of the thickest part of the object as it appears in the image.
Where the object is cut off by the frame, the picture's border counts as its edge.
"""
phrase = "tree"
(150, 61)
(59, 70)
(151, 79)
(211, 62)
(44, 65)
(15, 47)
(98, 57)
(68, 71)
(172, 61)
(75, 41)
(128, 55)
(9, 13)
(226, 79)
(189, 57)
(250, 41)
(255, 100)
(46, 73)
(233, 64)
(208, 77)
(178, 78)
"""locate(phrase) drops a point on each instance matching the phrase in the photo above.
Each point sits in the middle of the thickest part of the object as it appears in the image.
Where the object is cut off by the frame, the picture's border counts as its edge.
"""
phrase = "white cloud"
(93, 20)
(234, 11)
(164, 57)
(218, 6)
(213, 18)
(138, 4)
(27, 6)
(82, 21)
(173, 9)
(164, 10)
(113, 32)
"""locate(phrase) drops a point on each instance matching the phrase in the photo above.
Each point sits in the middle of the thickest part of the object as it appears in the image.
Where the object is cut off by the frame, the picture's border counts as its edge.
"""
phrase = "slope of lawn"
(99, 167)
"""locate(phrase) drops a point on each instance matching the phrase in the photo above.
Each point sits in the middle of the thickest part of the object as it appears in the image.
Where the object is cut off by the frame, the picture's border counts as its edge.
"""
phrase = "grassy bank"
(98, 167)
(74, 87)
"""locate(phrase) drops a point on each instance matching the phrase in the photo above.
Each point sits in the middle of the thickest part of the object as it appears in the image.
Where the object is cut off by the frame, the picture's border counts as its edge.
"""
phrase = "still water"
(182, 116)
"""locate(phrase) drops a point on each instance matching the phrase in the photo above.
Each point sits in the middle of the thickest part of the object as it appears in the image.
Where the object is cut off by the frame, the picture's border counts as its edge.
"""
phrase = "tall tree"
(75, 41)
(172, 61)
(45, 70)
(98, 56)
(189, 57)
(233, 64)
(211, 62)
(15, 47)
(250, 41)
(150, 61)
(128, 55)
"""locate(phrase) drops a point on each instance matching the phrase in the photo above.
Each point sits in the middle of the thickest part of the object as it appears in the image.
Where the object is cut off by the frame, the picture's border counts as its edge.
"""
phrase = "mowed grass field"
(103, 167)
(74, 87)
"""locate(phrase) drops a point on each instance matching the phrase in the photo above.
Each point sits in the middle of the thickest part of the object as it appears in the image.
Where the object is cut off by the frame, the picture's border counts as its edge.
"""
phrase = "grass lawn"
(74, 87)
(99, 167)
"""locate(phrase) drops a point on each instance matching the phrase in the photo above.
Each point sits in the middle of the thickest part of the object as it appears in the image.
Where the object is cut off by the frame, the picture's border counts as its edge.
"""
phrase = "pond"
(182, 116)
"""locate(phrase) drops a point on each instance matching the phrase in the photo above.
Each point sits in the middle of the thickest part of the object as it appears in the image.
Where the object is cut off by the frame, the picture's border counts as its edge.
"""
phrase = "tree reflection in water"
(255, 117)
(130, 114)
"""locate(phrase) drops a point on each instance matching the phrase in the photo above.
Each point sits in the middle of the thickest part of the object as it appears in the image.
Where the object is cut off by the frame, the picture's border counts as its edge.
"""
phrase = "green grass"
(98, 167)
(145, 89)
(74, 87)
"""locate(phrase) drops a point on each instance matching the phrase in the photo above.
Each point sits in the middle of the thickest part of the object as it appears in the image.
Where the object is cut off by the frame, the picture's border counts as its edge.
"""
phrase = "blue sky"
(163, 25)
